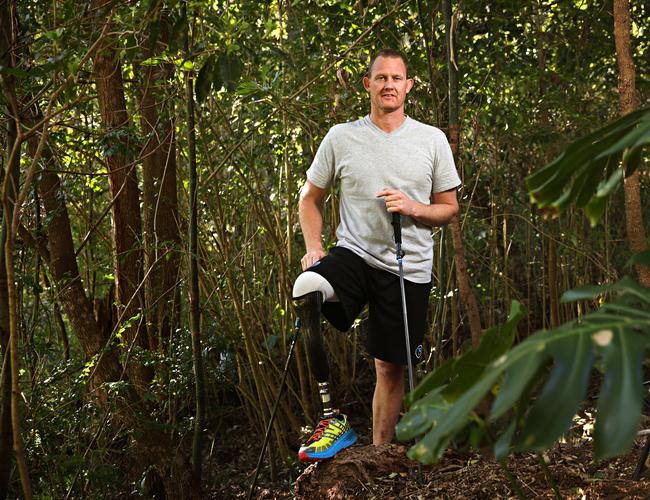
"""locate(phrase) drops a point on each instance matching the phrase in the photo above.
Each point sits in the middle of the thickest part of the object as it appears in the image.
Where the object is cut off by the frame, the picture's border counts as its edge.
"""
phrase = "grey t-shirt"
(415, 159)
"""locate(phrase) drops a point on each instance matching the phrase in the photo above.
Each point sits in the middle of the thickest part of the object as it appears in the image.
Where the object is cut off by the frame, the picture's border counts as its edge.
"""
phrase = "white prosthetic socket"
(309, 282)
(312, 289)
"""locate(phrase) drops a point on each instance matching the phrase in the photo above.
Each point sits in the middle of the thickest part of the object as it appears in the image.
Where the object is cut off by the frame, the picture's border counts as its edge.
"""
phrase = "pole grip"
(397, 227)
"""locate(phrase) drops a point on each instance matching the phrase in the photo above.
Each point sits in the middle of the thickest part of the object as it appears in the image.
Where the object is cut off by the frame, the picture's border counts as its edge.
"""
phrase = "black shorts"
(357, 284)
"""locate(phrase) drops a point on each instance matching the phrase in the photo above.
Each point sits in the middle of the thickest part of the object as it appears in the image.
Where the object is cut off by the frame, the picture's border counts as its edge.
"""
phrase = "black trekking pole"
(296, 331)
(399, 254)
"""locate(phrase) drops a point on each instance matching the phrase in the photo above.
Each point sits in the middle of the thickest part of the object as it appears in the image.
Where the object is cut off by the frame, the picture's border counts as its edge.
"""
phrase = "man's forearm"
(311, 223)
(434, 215)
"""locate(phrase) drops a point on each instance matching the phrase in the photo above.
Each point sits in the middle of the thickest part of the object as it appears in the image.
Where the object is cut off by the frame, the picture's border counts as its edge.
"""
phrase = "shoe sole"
(346, 440)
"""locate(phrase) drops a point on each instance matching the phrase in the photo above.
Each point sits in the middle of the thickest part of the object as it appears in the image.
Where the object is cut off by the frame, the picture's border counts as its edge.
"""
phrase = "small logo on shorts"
(418, 351)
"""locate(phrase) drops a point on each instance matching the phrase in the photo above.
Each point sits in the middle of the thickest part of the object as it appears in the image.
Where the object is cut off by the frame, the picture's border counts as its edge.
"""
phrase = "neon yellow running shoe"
(331, 436)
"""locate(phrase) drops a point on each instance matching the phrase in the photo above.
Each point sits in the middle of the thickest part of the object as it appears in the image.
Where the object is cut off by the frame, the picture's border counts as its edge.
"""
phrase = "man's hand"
(396, 201)
(439, 212)
(310, 258)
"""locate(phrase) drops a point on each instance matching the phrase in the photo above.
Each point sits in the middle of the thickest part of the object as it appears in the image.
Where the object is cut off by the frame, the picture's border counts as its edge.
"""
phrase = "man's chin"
(390, 108)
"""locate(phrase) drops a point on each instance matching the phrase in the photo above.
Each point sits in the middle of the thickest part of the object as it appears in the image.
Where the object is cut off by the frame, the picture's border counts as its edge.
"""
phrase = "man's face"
(387, 84)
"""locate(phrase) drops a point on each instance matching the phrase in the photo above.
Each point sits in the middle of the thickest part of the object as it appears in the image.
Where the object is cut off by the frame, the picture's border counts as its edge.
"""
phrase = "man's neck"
(388, 121)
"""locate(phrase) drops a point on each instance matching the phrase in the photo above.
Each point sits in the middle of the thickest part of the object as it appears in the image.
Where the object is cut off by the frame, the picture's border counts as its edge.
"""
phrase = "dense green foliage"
(533, 77)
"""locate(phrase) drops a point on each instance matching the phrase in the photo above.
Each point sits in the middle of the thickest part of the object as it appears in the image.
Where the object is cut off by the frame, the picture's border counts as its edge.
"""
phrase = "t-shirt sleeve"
(322, 169)
(445, 174)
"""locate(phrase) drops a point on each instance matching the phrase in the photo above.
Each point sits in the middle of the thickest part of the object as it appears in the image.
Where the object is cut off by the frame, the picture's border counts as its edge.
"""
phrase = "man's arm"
(443, 207)
(310, 212)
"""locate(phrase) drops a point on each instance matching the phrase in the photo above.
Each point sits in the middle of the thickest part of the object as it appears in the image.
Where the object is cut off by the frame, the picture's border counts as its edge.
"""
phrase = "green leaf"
(621, 395)
(632, 160)
(17, 72)
(494, 343)
(462, 372)
(574, 176)
(516, 378)
(204, 80)
(553, 411)
(421, 416)
(431, 381)
(584, 293)
(606, 188)
(429, 449)
(502, 445)
(595, 210)
(638, 136)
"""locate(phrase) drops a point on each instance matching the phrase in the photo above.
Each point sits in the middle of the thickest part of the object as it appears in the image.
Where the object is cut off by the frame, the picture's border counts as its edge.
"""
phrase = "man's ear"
(366, 83)
(409, 84)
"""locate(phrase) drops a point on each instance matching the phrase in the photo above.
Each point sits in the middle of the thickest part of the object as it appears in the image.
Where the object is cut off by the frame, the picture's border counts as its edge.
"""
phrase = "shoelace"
(320, 430)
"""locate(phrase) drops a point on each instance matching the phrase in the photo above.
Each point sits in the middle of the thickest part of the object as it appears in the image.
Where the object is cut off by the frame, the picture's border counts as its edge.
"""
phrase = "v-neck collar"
(394, 133)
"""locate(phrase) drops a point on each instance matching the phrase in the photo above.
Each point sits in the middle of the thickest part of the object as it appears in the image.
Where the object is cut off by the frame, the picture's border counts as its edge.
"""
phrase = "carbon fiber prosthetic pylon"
(317, 353)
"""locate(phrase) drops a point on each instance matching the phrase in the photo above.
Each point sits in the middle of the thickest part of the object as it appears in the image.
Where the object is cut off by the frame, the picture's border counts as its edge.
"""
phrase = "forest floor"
(364, 471)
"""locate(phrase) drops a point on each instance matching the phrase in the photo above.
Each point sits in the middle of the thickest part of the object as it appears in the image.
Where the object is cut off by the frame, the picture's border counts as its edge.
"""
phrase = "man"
(385, 162)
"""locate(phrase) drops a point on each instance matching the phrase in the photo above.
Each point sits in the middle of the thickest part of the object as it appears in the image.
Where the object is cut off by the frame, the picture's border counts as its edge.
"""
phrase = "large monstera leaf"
(591, 168)
(542, 382)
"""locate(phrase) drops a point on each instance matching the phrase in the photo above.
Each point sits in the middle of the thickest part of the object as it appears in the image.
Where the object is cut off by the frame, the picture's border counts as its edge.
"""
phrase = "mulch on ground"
(365, 471)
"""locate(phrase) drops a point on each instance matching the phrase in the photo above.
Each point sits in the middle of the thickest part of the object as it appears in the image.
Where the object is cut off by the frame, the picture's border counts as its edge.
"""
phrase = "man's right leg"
(313, 289)
(333, 433)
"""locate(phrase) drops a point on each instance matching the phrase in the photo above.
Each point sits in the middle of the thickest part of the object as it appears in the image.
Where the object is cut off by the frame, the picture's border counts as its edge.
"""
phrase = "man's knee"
(389, 373)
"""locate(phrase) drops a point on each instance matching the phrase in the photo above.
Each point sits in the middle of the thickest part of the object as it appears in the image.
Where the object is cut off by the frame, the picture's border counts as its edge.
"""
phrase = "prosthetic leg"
(313, 290)
(332, 433)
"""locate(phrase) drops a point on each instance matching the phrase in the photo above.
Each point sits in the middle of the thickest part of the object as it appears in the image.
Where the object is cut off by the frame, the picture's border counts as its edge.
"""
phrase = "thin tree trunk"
(628, 102)
(8, 319)
(466, 293)
(195, 304)
(6, 435)
(552, 262)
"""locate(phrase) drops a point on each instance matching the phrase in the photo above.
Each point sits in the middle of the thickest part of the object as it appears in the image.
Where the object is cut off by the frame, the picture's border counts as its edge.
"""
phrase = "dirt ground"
(365, 471)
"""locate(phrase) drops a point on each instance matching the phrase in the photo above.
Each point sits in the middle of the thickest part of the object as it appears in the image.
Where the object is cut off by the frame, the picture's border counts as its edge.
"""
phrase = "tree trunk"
(126, 220)
(160, 200)
(466, 293)
(628, 102)
(10, 436)
(6, 435)
(195, 302)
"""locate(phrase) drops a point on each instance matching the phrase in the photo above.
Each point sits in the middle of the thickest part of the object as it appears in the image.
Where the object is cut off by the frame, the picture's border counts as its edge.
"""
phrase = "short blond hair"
(387, 53)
